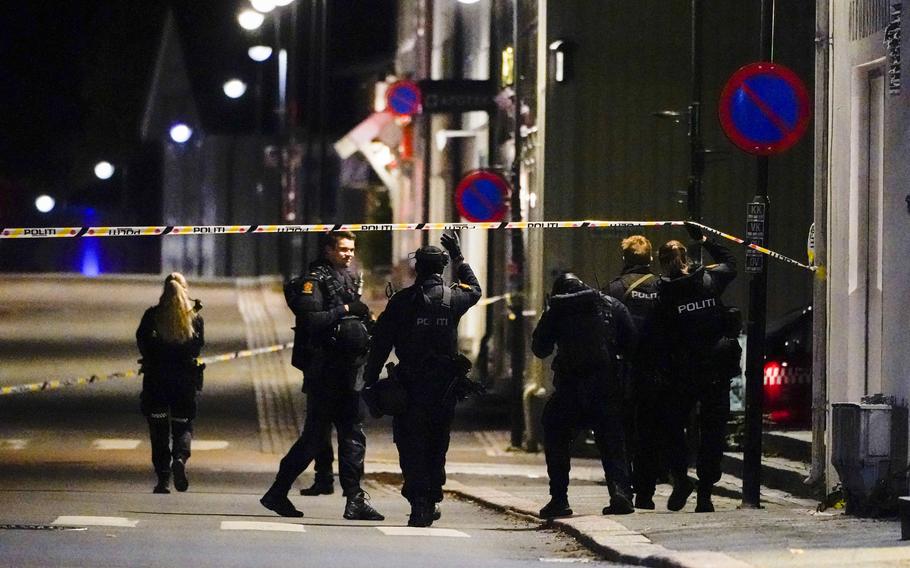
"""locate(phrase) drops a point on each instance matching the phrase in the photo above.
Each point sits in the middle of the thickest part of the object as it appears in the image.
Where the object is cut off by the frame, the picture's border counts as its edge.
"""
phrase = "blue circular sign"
(481, 196)
(403, 98)
(764, 108)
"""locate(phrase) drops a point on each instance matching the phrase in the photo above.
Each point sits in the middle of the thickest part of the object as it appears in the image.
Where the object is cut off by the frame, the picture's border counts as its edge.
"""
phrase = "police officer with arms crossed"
(636, 288)
(702, 356)
(330, 344)
(588, 329)
(421, 323)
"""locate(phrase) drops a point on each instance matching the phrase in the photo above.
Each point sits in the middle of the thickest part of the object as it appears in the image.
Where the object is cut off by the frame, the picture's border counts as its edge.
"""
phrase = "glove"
(694, 231)
(359, 309)
(450, 243)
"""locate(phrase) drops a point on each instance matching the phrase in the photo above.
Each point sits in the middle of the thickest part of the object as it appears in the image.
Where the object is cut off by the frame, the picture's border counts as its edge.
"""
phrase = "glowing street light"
(259, 53)
(104, 170)
(250, 19)
(264, 6)
(180, 133)
(235, 88)
(283, 2)
(469, 1)
(45, 203)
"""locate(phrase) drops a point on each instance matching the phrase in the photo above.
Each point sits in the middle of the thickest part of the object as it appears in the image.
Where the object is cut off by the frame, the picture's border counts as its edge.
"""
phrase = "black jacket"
(690, 313)
(317, 300)
(417, 326)
(579, 325)
(162, 361)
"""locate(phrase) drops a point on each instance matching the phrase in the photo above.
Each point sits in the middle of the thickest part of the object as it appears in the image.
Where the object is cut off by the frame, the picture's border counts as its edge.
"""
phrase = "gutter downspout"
(820, 214)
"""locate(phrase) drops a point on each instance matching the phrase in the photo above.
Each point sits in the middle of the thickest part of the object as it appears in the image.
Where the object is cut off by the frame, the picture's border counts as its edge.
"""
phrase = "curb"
(604, 536)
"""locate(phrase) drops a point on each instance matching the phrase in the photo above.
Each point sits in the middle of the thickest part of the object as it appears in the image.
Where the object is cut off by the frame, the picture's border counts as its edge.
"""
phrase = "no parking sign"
(481, 196)
(764, 108)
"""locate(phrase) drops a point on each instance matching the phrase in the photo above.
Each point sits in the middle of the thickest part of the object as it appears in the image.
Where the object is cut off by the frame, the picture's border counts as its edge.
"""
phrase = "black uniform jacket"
(317, 302)
(575, 324)
(163, 361)
(415, 338)
(690, 313)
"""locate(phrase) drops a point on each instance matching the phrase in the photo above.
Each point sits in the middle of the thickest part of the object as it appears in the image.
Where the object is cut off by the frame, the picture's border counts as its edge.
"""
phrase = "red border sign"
(404, 98)
(482, 196)
(743, 94)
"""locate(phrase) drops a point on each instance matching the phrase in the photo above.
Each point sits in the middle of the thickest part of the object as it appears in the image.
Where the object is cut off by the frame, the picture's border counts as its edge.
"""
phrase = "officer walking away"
(330, 345)
(421, 323)
(701, 359)
(589, 330)
(170, 337)
(636, 288)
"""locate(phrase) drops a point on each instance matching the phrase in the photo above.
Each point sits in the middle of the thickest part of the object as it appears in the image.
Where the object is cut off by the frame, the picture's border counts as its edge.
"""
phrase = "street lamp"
(180, 133)
(45, 203)
(264, 6)
(104, 170)
(250, 20)
(259, 53)
(235, 88)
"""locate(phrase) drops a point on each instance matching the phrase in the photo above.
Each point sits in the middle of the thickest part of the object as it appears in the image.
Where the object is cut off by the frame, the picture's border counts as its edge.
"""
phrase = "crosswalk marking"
(115, 444)
(261, 526)
(13, 444)
(96, 521)
(421, 531)
(205, 445)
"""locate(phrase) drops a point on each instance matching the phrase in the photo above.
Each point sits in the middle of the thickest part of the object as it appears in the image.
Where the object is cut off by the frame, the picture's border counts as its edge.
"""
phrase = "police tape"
(79, 381)
(171, 230)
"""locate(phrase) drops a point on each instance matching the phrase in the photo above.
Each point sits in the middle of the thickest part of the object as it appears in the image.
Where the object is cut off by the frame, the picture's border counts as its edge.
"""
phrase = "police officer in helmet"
(330, 344)
(702, 355)
(588, 330)
(421, 324)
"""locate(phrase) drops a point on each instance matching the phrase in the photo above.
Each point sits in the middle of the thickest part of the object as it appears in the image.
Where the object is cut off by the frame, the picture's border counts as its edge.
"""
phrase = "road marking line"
(13, 444)
(421, 531)
(115, 444)
(260, 526)
(96, 521)
(206, 445)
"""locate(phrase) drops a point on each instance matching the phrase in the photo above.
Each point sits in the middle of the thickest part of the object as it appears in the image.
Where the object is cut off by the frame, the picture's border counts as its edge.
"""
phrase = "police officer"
(636, 288)
(421, 323)
(699, 361)
(588, 329)
(330, 344)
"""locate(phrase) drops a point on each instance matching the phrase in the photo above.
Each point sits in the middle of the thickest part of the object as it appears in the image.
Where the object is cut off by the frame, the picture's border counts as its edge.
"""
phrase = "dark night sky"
(75, 75)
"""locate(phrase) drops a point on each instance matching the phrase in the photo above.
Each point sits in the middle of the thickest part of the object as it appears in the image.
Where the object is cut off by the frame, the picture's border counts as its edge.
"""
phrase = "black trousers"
(646, 441)
(169, 406)
(711, 399)
(422, 437)
(325, 409)
(566, 414)
(324, 459)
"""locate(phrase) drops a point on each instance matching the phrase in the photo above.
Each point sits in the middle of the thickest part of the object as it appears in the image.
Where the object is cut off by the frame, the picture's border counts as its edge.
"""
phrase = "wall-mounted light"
(235, 88)
(264, 6)
(560, 70)
(45, 203)
(250, 20)
(259, 53)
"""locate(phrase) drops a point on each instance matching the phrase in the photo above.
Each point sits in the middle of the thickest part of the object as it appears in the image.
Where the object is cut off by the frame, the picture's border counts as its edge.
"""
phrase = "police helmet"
(567, 283)
(430, 259)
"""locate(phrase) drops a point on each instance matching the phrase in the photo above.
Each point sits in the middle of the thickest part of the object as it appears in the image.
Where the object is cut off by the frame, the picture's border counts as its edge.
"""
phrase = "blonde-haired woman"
(170, 338)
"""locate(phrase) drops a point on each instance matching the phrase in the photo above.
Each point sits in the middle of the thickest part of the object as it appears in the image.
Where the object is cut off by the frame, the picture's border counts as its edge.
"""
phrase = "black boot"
(643, 501)
(164, 479)
(279, 504)
(421, 514)
(358, 508)
(437, 514)
(181, 483)
(319, 487)
(682, 488)
(557, 507)
(620, 503)
(703, 502)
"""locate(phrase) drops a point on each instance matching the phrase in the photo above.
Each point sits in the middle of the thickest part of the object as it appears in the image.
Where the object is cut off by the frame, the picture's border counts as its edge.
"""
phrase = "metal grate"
(867, 17)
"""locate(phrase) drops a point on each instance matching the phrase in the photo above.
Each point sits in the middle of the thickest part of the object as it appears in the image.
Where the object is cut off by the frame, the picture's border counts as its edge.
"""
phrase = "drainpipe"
(820, 214)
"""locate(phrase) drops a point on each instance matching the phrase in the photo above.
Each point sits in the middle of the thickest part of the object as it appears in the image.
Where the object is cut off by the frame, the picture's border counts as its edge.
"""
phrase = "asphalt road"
(75, 477)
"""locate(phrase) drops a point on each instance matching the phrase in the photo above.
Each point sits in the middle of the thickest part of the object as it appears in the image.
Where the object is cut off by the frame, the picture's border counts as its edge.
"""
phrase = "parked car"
(788, 369)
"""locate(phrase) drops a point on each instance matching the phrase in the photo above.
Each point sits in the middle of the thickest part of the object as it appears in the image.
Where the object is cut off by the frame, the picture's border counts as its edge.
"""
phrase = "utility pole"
(518, 255)
(758, 300)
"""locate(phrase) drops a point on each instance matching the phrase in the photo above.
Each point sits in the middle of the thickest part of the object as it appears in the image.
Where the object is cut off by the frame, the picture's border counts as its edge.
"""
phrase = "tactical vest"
(432, 335)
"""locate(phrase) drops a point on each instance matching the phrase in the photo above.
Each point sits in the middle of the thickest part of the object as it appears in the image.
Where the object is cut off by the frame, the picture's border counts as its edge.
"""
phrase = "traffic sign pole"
(758, 228)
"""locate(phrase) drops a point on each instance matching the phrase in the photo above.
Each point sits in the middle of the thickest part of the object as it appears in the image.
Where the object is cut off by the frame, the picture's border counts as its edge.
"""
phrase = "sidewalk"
(787, 532)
